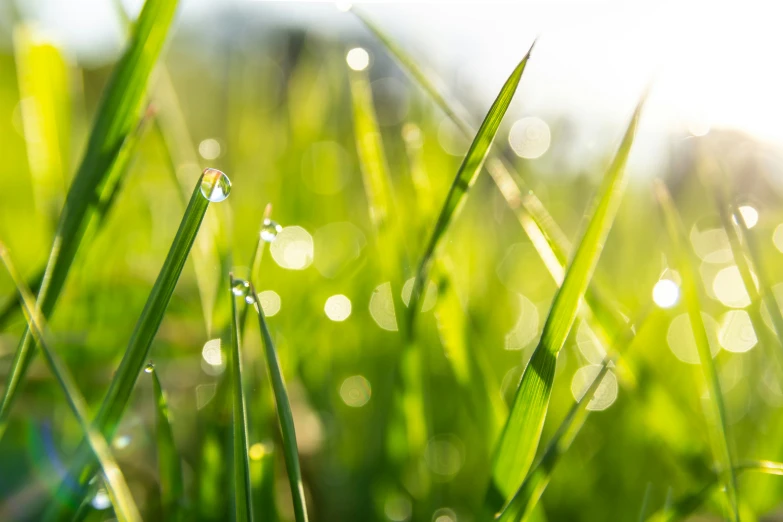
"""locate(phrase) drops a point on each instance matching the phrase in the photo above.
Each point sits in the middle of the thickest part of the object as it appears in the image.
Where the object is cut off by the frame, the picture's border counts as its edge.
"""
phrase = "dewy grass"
(117, 116)
(241, 463)
(691, 296)
(285, 417)
(169, 465)
(519, 441)
(124, 506)
(137, 352)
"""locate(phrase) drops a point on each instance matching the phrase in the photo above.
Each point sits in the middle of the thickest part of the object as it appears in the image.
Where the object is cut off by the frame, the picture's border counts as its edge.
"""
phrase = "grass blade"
(519, 441)
(465, 178)
(241, 475)
(117, 116)
(527, 496)
(124, 506)
(137, 352)
(692, 302)
(169, 465)
(689, 503)
(285, 416)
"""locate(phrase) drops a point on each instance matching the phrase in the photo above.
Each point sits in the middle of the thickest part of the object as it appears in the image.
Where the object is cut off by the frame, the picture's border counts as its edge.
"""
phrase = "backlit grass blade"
(519, 441)
(550, 242)
(465, 178)
(686, 505)
(169, 465)
(536, 481)
(692, 299)
(117, 115)
(124, 506)
(137, 351)
(285, 416)
(241, 469)
(42, 75)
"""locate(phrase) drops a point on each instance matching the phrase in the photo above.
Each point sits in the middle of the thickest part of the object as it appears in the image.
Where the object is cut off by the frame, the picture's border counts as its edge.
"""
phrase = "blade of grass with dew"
(689, 503)
(122, 500)
(529, 493)
(466, 176)
(117, 115)
(550, 242)
(169, 465)
(692, 303)
(42, 75)
(104, 205)
(137, 351)
(241, 469)
(285, 416)
(519, 440)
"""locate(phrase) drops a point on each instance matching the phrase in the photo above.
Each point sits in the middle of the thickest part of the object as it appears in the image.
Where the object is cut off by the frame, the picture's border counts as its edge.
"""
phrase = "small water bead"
(241, 288)
(149, 368)
(101, 500)
(215, 185)
(269, 230)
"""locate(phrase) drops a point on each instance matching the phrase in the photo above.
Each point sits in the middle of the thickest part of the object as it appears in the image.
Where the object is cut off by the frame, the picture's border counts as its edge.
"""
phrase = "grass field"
(300, 279)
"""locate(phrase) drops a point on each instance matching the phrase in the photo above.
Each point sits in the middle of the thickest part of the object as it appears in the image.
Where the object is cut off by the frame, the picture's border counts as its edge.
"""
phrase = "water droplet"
(269, 230)
(149, 368)
(101, 500)
(215, 185)
(241, 288)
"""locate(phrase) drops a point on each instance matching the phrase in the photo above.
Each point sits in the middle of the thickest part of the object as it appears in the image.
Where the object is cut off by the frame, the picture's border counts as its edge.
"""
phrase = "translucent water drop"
(149, 368)
(101, 500)
(215, 185)
(241, 288)
(269, 230)
(250, 298)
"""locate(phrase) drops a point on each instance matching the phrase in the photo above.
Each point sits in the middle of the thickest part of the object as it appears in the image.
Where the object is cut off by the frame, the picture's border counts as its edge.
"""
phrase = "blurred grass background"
(273, 111)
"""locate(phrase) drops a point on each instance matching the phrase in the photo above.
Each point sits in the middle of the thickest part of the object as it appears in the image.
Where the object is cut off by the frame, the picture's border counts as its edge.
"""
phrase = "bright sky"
(714, 64)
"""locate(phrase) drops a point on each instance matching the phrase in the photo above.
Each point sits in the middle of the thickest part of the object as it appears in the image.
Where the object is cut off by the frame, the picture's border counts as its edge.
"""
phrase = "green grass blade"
(124, 506)
(529, 493)
(137, 351)
(691, 297)
(241, 468)
(169, 465)
(519, 441)
(117, 115)
(465, 178)
(689, 503)
(286, 418)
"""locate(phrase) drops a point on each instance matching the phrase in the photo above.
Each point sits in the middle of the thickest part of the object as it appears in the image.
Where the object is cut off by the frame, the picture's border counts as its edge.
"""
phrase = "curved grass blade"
(465, 178)
(169, 465)
(241, 475)
(519, 440)
(529, 493)
(117, 115)
(122, 500)
(137, 352)
(285, 416)
(692, 303)
(689, 503)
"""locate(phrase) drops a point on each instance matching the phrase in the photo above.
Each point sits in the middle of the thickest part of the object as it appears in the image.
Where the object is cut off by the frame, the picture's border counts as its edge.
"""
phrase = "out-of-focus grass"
(275, 112)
